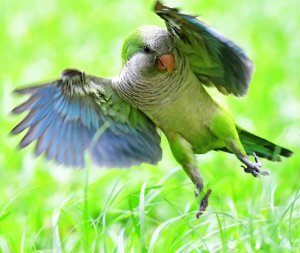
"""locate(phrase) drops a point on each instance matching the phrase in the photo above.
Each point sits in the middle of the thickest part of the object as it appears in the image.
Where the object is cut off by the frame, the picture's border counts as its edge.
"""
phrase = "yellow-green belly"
(190, 116)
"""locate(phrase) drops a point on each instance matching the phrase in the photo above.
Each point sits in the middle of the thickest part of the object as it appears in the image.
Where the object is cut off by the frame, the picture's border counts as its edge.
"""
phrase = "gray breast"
(147, 92)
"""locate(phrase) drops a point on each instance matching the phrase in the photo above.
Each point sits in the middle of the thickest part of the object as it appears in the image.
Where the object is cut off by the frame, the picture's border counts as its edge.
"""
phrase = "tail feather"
(262, 147)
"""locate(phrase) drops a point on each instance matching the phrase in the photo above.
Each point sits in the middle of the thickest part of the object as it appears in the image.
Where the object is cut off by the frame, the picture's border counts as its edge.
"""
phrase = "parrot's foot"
(203, 202)
(254, 168)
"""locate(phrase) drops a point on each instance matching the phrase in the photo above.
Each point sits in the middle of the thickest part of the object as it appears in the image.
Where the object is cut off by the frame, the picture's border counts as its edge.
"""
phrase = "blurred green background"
(45, 208)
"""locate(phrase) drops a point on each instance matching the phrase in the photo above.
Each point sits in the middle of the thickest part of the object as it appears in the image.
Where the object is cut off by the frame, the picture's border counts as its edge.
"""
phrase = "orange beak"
(166, 61)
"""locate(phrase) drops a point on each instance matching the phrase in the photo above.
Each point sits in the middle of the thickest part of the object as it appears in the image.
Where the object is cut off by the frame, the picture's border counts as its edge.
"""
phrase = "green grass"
(45, 208)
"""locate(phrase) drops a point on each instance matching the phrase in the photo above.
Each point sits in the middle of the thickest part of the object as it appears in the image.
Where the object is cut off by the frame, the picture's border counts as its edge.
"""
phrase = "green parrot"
(161, 86)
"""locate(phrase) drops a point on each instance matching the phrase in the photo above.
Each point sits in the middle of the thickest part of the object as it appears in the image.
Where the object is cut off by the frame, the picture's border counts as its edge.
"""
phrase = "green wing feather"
(214, 59)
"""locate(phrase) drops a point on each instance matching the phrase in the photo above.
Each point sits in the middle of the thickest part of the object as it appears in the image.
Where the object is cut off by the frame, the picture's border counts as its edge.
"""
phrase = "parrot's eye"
(146, 49)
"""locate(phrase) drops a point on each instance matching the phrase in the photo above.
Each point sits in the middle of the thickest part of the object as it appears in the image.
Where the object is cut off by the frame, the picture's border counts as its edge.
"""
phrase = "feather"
(68, 116)
(213, 58)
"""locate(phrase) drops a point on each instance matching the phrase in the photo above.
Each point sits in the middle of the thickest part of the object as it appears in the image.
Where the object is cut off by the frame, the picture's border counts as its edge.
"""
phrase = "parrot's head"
(148, 49)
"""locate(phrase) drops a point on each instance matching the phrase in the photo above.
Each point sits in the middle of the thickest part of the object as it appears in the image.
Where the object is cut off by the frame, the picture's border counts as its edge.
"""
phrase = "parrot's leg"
(249, 167)
(224, 128)
(183, 153)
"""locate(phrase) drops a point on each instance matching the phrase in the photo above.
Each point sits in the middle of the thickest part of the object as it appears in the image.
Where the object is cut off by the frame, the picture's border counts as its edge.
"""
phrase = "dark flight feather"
(214, 59)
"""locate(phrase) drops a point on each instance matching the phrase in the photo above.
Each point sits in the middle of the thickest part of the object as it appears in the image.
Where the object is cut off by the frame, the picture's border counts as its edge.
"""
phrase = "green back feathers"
(132, 44)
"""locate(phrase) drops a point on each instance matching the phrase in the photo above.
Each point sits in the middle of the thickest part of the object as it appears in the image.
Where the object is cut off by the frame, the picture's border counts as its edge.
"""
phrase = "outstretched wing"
(214, 59)
(82, 112)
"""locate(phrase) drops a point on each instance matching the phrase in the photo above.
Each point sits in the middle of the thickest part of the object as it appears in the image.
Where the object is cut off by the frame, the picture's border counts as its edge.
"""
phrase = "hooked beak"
(166, 61)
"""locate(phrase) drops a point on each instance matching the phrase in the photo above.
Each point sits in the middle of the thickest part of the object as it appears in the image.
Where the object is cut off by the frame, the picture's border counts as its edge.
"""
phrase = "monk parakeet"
(161, 86)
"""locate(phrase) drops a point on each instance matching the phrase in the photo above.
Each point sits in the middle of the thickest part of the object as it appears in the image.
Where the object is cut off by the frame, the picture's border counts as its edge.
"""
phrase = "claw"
(264, 173)
(203, 204)
(253, 171)
(245, 169)
(254, 168)
(257, 161)
(196, 194)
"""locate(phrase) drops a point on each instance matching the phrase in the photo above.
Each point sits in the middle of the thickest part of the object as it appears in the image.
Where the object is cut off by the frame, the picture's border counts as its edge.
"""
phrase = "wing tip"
(17, 129)
(15, 110)
(19, 109)
(28, 90)
(158, 6)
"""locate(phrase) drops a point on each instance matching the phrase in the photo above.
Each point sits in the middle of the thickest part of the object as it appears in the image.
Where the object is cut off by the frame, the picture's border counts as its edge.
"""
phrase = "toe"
(264, 173)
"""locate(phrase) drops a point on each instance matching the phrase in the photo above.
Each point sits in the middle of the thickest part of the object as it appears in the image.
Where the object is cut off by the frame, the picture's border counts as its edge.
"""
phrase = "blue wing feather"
(36, 131)
(53, 144)
(78, 146)
(66, 124)
(26, 105)
(45, 139)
